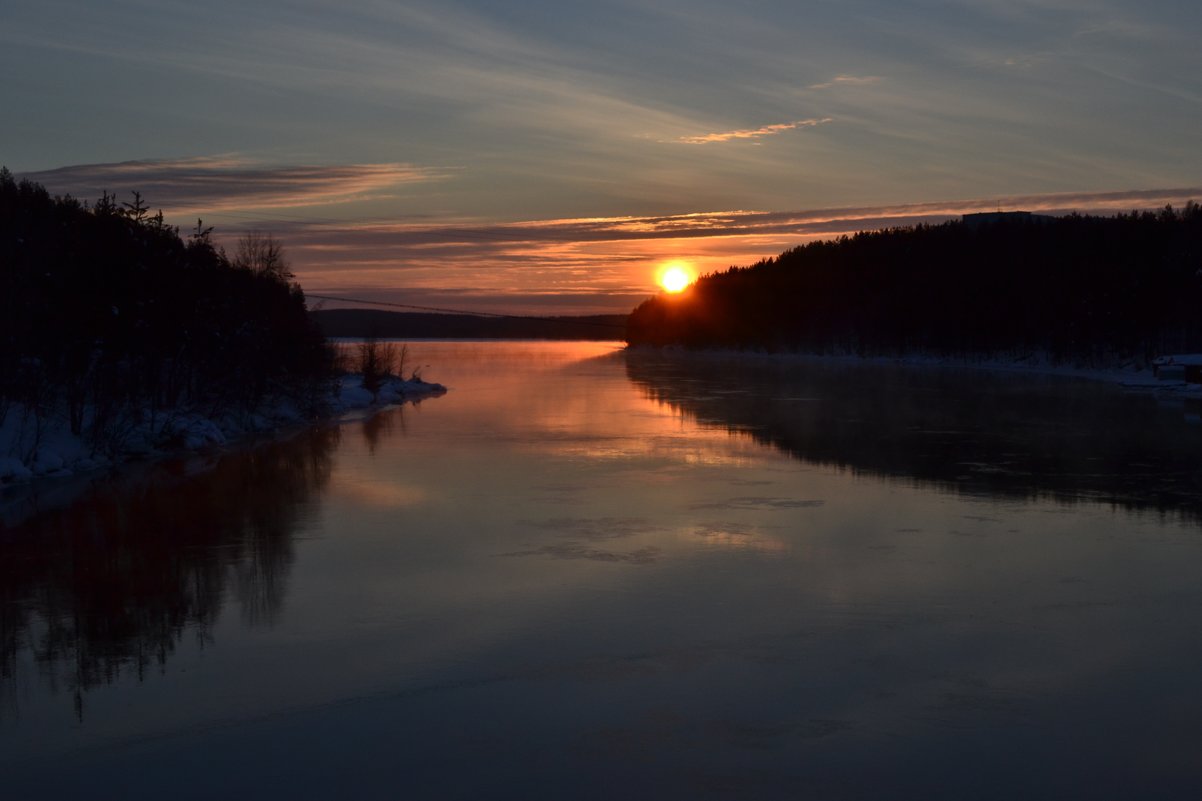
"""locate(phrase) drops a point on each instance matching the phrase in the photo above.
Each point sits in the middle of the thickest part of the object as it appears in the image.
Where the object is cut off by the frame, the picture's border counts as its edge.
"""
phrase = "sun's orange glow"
(675, 276)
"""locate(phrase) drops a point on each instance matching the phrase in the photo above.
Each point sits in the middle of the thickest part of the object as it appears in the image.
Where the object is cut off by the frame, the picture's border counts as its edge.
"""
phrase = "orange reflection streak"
(380, 495)
(569, 414)
(721, 536)
(614, 421)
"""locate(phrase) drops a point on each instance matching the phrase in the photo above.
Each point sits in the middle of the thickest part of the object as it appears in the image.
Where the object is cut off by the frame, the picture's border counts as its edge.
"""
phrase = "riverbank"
(1131, 375)
(42, 446)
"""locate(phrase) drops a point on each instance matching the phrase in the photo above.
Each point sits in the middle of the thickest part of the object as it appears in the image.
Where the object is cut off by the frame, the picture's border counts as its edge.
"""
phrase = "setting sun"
(675, 277)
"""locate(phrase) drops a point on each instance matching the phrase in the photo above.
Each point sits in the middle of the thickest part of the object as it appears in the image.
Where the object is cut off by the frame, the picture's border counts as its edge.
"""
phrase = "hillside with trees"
(108, 315)
(1080, 288)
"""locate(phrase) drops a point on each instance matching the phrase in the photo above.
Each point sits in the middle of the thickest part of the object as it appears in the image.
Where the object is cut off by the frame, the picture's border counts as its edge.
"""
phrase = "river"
(584, 573)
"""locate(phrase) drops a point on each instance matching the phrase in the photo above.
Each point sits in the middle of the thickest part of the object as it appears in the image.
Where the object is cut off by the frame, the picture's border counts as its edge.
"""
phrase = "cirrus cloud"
(751, 133)
(847, 80)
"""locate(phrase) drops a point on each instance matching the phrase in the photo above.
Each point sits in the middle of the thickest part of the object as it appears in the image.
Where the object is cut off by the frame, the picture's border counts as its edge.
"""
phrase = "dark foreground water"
(586, 574)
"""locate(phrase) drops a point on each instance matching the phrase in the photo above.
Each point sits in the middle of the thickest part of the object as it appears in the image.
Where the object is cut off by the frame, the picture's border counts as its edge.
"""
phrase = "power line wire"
(494, 315)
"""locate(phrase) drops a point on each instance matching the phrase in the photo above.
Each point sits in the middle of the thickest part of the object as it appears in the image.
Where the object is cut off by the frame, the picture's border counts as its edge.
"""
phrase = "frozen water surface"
(584, 573)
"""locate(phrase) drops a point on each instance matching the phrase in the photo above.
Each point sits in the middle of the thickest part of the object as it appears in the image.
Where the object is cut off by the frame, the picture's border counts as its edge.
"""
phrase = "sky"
(550, 157)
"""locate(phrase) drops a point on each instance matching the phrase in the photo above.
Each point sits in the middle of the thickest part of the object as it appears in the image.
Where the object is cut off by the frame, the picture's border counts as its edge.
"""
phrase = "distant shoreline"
(1130, 376)
(361, 323)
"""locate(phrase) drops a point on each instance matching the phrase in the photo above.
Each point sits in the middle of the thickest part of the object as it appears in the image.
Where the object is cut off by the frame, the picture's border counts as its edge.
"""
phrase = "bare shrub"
(377, 363)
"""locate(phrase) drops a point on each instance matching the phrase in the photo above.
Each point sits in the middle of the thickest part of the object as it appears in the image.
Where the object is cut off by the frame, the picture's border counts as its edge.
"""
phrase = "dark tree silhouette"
(107, 309)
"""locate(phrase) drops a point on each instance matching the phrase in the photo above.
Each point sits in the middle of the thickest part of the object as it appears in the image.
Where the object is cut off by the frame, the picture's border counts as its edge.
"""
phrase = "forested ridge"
(107, 314)
(1083, 288)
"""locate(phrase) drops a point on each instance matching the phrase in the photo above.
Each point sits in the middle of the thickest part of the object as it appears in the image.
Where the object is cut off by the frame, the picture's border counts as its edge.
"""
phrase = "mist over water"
(585, 572)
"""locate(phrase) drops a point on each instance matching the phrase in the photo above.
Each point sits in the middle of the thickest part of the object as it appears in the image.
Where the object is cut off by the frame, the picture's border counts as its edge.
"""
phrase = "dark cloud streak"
(731, 224)
(207, 184)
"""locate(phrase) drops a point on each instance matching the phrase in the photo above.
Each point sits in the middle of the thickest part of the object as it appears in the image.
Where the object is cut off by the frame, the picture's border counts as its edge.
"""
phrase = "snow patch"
(42, 445)
(11, 468)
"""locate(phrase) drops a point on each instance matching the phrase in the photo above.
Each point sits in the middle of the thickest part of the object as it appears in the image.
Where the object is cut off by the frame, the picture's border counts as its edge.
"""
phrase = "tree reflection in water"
(377, 426)
(963, 430)
(111, 584)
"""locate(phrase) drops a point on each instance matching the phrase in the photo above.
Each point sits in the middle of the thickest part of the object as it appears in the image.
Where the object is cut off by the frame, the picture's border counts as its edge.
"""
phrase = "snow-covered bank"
(36, 446)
